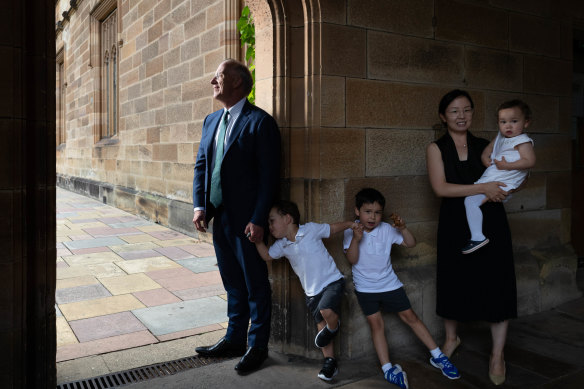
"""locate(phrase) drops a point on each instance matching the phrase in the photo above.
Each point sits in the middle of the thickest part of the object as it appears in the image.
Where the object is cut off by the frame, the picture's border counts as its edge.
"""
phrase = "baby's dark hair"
(516, 104)
(284, 207)
(369, 196)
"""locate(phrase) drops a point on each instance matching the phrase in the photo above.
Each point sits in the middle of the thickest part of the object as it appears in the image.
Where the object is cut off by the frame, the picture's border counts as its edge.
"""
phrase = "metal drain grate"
(123, 378)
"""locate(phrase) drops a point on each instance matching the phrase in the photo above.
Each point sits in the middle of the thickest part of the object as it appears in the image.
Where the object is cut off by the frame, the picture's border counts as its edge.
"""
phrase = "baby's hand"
(357, 231)
(398, 222)
(502, 164)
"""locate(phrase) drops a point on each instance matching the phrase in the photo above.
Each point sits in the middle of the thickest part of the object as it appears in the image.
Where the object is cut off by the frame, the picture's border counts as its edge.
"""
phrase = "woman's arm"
(526, 159)
(442, 188)
(486, 155)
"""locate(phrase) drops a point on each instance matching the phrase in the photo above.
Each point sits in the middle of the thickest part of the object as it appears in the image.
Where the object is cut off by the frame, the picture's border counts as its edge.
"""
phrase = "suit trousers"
(245, 278)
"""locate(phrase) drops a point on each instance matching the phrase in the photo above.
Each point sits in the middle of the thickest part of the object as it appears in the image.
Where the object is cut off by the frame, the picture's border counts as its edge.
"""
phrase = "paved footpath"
(123, 283)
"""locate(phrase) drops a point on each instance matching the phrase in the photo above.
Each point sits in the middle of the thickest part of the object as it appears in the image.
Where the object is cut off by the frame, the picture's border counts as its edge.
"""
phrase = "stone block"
(164, 152)
(173, 95)
(552, 152)
(409, 196)
(397, 152)
(471, 23)
(156, 100)
(211, 39)
(179, 113)
(403, 16)
(150, 52)
(558, 190)
(332, 100)
(215, 14)
(528, 284)
(180, 217)
(196, 89)
(155, 32)
(151, 169)
(557, 275)
(348, 43)
(190, 49)
(180, 190)
(533, 7)
(342, 153)
(195, 25)
(161, 10)
(383, 104)
(213, 59)
(398, 57)
(333, 11)
(534, 35)
(154, 66)
(532, 197)
(196, 68)
(186, 153)
(547, 75)
(159, 81)
(490, 69)
(536, 229)
(178, 74)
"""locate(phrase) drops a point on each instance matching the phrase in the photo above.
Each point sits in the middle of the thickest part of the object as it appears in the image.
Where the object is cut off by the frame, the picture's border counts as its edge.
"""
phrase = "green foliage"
(247, 37)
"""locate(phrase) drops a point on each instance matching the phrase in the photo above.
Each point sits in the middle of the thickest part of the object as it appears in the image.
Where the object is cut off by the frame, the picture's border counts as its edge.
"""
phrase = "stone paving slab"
(197, 293)
(199, 250)
(80, 293)
(76, 281)
(139, 254)
(169, 318)
(130, 283)
(100, 271)
(174, 253)
(92, 259)
(99, 307)
(65, 334)
(154, 297)
(147, 265)
(122, 248)
(97, 242)
(106, 326)
(200, 265)
(100, 346)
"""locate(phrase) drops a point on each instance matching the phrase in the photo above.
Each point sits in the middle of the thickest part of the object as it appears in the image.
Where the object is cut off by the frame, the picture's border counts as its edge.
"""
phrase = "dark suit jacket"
(250, 172)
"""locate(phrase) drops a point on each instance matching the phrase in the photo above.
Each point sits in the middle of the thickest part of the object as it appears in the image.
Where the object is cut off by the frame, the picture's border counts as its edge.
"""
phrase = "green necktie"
(216, 194)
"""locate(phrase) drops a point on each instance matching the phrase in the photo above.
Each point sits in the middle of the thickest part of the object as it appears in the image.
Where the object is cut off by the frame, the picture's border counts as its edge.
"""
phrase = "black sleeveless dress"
(480, 285)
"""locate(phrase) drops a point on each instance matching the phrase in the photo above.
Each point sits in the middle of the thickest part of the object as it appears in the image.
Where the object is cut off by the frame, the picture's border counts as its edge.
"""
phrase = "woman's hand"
(493, 191)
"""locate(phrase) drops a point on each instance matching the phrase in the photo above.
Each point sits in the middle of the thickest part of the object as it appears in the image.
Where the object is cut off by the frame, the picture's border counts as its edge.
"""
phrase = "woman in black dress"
(480, 285)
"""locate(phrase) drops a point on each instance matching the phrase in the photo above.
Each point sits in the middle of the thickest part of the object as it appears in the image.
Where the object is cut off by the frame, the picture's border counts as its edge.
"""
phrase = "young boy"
(321, 280)
(376, 285)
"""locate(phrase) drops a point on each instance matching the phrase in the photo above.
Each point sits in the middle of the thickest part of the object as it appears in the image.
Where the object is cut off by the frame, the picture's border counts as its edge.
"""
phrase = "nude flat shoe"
(456, 344)
(498, 379)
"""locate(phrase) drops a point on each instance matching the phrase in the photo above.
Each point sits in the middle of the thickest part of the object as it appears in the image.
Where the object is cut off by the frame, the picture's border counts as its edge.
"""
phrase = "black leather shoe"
(252, 360)
(223, 348)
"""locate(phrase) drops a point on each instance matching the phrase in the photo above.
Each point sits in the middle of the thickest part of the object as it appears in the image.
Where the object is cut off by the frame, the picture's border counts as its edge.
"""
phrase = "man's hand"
(199, 221)
(254, 232)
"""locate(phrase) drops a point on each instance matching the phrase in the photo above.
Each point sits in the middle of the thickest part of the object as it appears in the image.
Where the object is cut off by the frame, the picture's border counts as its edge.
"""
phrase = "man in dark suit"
(237, 175)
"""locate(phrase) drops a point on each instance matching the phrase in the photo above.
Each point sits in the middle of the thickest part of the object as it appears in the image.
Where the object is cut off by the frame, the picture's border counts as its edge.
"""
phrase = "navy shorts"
(329, 298)
(392, 301)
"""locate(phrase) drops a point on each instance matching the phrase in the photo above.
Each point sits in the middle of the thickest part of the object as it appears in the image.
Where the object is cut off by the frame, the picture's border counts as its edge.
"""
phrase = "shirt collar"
(299, 234)
(237, 108)
(372, 232)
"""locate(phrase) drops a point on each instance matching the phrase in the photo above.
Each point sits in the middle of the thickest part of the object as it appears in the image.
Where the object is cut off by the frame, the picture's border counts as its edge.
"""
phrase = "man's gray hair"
(243, 72)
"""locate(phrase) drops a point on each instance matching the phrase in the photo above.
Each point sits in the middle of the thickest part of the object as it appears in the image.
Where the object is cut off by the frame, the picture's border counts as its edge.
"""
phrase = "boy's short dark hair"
(285, 207)
(369, 196)
(516, 104)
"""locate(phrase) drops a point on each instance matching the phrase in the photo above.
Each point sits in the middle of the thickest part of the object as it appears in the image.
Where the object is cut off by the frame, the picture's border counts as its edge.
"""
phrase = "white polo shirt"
(310, 260)
(373, 272)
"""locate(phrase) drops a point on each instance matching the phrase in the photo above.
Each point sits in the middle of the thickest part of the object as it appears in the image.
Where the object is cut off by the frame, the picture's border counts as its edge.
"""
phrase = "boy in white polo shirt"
(321, 280)
(368, 249)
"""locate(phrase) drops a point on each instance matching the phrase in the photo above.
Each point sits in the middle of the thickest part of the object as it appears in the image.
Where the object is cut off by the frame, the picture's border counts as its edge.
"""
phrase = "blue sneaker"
(474, 245)
(397, 376)
(448, 369)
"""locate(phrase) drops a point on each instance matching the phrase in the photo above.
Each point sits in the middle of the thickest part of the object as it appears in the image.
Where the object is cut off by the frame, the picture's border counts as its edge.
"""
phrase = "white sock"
(386, 367)
(436, 352)
(331, 330)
